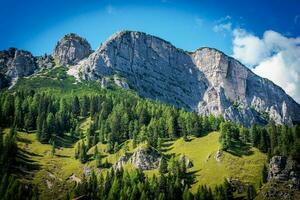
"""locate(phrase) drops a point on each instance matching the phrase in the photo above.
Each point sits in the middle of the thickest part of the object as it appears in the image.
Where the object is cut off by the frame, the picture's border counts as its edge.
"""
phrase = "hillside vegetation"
(61, 139)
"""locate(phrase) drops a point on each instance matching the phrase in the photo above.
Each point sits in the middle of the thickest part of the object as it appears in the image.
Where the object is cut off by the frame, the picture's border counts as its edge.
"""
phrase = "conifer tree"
(76, 106)
(163, 166)
(264, 174)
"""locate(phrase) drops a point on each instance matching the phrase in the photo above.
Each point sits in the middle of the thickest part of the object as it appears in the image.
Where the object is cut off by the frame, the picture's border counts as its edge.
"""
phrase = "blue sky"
(36, 25)
(264, 35)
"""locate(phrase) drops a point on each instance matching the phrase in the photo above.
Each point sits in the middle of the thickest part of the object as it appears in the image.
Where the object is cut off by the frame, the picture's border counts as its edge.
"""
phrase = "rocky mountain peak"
(206, 81)
(71, 49)
(15, 63)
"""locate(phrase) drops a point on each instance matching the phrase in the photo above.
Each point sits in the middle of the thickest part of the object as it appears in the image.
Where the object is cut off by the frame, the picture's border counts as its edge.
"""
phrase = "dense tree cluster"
(173, 182)
(116, 118)
(272, 139)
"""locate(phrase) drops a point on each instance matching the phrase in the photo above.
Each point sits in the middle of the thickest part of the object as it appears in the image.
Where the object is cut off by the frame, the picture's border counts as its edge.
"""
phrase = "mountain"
(206, 81)
(73, 125)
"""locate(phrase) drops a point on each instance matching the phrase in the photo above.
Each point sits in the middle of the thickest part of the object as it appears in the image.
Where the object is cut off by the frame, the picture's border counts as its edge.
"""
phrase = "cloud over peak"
(273, 56)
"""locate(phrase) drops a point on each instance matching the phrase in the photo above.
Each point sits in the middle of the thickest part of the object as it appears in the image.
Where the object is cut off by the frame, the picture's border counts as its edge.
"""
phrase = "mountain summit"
(206, 81)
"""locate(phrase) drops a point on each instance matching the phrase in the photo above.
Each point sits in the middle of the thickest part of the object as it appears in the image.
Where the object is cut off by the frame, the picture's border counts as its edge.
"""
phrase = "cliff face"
(206, 81)
(15, 63)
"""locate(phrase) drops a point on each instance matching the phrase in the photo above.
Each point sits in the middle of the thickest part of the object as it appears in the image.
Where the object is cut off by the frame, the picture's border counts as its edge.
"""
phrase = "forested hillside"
(85, 141)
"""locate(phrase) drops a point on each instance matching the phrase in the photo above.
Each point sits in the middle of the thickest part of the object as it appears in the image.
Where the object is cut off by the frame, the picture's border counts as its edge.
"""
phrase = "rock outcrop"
(206, 81)
(145, 158)
(283, 180)
(283, 169)
(188, 162)
(121, 162)
(107, 82)
(71, 49)
(45, 61)
(15, 63)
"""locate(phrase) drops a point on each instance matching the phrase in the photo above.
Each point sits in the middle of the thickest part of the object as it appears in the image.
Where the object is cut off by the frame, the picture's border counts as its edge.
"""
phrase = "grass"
(55, 170)
(52, 169)
(202, 151)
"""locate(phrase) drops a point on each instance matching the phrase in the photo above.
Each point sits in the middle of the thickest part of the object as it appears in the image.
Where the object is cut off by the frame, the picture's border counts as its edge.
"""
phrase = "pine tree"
(114, 190)
(77, 151)
(163, 166)
(76, 106)
(187, 194)
(264, 174)
(251, 193)
(53, 148)
(50, 124)
(45, 136)
(85, 106)
(159, 144)
(83, 153)
(255, 135)
(1, 148)
(97, 157)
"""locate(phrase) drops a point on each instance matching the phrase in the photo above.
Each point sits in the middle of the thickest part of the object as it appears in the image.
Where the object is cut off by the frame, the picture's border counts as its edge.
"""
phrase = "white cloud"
(223, 19)
(274, 56)
(222, 27)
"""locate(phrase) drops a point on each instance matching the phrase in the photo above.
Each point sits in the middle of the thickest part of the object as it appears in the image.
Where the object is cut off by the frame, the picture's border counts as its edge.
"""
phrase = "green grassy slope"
(52, 173)
(209, 171)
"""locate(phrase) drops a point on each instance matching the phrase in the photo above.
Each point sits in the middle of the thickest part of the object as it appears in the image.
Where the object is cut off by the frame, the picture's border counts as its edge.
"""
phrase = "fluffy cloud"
(273, 56)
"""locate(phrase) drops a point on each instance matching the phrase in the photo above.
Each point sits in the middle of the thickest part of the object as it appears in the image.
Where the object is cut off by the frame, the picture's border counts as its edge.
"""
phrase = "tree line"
(271, 139)
(116, 118)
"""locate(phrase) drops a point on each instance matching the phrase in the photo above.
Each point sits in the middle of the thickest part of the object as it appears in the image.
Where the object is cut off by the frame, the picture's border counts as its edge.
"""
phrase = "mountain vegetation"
(66, 137)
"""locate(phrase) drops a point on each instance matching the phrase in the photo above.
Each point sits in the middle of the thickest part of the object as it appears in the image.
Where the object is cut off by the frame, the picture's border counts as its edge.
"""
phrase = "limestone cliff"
(207, 80)
(15, 63)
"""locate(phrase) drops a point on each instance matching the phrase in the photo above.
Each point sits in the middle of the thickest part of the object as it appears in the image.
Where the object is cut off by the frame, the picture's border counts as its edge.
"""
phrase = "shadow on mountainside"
(240, 149)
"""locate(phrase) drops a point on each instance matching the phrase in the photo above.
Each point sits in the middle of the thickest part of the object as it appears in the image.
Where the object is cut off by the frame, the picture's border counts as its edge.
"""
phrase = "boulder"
(188, 162)
(145, 158)
(218, 155)
(121, 162)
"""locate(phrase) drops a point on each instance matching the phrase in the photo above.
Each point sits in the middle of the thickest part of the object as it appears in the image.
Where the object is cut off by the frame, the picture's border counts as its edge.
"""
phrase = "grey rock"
(237, 185)
(206, 81)
(15, 63)
(71, 49)
(219, 155)
(283, 169)
(115, 80)
(121, 162)
(145, 158)
(188, 162)
(45, 61)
